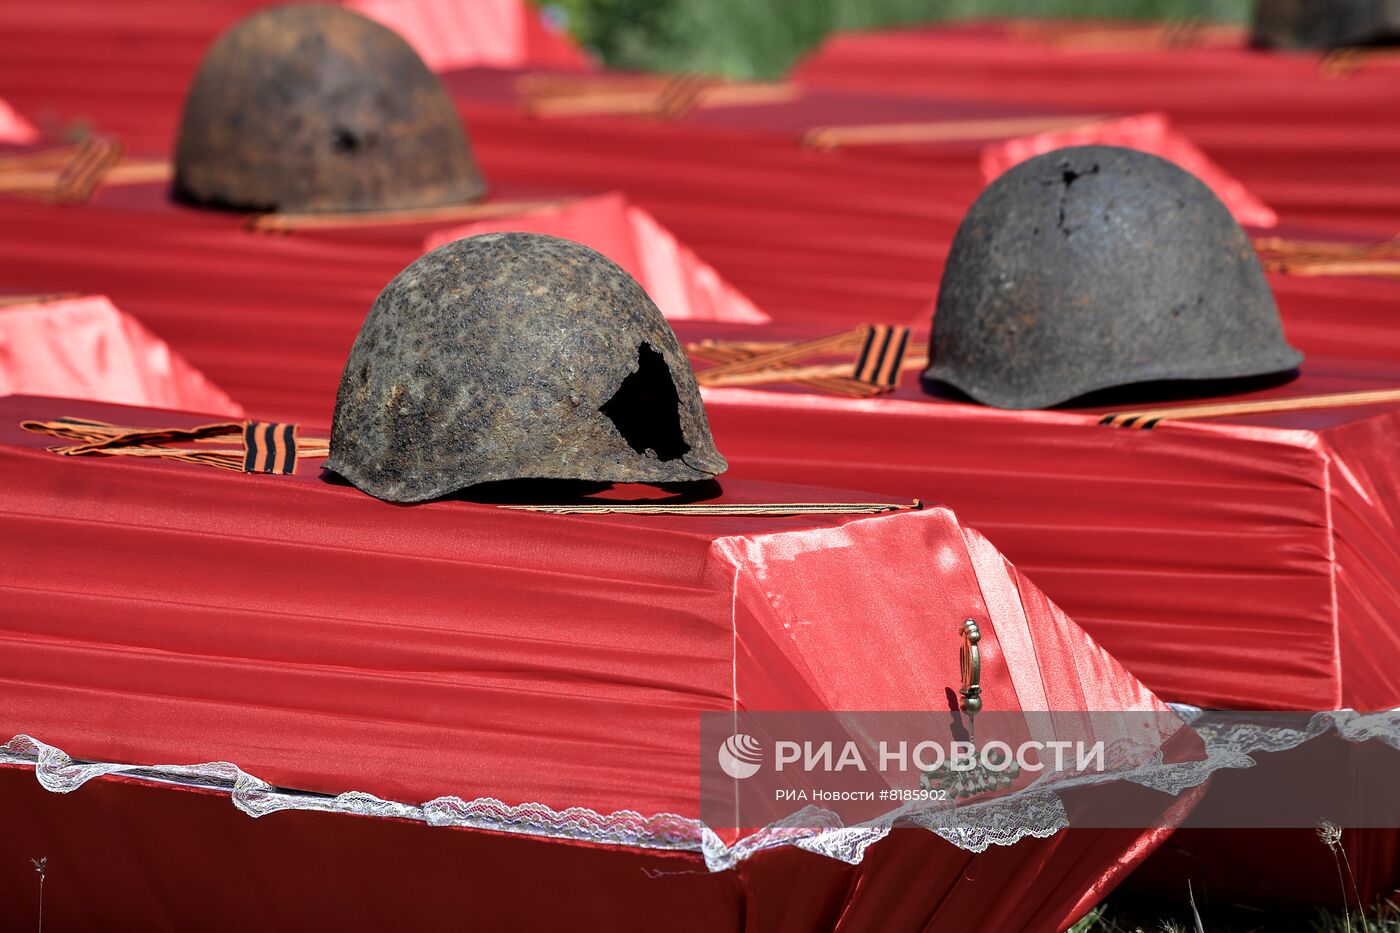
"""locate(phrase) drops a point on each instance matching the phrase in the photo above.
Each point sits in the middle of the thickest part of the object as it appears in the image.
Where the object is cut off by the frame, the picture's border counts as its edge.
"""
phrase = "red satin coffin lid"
(1245, 562)
(324, 640)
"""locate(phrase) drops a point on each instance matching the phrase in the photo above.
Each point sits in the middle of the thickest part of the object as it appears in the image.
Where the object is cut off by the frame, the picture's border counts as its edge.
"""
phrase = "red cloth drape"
(133, 856)
(684, 286)
(87, 348)
(323, 640)
(1263, 543)
(270, 318)
(1310, 140)
(1281, 534)
(324, 634)
(125, 67)
(1147, 132)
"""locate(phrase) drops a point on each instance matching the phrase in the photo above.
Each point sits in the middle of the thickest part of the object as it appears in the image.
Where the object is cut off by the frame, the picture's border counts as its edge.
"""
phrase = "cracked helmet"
(315, 108)
(516, 356)
(1095, 267)
(1325, 24)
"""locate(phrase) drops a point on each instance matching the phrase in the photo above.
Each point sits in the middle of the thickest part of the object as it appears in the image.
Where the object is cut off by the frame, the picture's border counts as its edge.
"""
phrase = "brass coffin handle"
(971, 692)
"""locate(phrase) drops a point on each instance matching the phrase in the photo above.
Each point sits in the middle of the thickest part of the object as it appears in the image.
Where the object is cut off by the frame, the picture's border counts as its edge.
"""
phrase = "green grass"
(762, 38)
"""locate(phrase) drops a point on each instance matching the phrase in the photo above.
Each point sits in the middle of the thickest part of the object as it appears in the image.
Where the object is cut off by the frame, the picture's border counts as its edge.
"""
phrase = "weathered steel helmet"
(1094, 267)
(516, 356)
(316, 108)
(1325, 24)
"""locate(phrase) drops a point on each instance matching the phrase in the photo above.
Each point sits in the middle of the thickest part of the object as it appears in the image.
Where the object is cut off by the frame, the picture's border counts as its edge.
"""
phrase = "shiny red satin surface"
(1147, 132)
(1247, 562)
(861, 233)
(830, 239)
(124, 67)
(1268, 551)
(1311, 140)
(1141, 547)
(684, 286)
(122, 856)
(14, 128)
(326, 641)
(86, 348)
(271, 318)
(494, 33)
(856, 234)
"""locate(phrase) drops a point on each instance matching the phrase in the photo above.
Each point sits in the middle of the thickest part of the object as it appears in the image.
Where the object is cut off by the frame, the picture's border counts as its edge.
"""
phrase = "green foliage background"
(762, 38)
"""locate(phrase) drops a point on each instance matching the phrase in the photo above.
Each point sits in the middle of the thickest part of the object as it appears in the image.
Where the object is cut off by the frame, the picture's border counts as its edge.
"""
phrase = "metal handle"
(980, 779)
(971, 692)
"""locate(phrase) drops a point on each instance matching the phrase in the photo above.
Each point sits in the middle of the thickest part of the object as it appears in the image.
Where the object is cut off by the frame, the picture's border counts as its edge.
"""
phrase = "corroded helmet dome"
(1094, 267)
(316, 108)
(1325, 24)
(516, 356)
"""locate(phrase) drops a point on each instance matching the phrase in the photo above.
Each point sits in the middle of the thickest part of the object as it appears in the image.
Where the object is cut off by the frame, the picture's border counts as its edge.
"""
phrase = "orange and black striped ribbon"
(784, 354)
(1147, 419)
(83, 175)
(263, 447)
(882, 355)
(269, 447)
(681, 95)
(1118, 419)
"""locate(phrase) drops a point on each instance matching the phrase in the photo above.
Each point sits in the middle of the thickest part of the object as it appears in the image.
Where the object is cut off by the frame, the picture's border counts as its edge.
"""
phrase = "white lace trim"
(1032, 812)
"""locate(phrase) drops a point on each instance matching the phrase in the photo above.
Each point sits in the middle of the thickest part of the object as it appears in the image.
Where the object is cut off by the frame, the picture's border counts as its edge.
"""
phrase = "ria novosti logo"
(740, 756)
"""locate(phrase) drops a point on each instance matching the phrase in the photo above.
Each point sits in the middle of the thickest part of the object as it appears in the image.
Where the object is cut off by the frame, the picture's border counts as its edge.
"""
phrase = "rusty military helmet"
(516, 356)
(1095, 267)
(1325, 24)
(315, 108)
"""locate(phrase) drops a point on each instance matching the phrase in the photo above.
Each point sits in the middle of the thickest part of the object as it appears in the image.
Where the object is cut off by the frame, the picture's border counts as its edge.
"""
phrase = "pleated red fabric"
(86, 60)
(271, 318)
(1300, 130)
(1264, 545)
(120, 849)
(326, 641)
(1245, 562)
(85, 347)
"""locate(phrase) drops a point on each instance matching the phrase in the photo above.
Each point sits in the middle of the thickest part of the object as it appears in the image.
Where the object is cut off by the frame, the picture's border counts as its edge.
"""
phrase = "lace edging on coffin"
(1034, 812)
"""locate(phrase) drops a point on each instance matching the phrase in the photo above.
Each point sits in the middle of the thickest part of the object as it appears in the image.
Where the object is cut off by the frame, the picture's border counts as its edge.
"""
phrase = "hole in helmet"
(645, 409)
(345, 140)
(1068, 177)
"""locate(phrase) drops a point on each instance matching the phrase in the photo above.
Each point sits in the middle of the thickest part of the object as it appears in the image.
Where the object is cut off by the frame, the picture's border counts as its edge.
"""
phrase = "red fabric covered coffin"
(271, 317)
(85, 347)
(861, 233)
(125, 68)
(854, 234)
(14, 128)
(1299, 129)
(1245, 562)
(929, 129)
(684, 287)
(1148, 132)
(494, 33)
(829, 238)
(492, 667)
